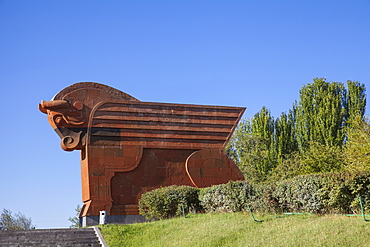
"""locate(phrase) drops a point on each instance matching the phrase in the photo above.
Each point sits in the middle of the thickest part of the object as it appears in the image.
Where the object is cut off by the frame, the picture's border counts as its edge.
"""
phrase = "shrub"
(322, 193)
(231, 197)
(265, 199)
(360, 186)
(169, 202)
(302, 193)
(336, 192)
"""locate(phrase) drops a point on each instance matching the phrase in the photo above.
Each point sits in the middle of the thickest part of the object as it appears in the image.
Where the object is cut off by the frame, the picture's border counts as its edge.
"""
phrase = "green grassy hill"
(238, 229)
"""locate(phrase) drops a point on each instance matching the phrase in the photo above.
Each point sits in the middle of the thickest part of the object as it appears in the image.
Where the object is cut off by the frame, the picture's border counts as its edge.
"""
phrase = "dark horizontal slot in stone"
(152, 123)
(118, 139)
(102, 114)
(117, 132)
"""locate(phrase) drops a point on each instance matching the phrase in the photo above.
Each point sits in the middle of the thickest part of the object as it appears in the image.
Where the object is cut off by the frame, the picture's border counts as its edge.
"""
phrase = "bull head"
(68, 120)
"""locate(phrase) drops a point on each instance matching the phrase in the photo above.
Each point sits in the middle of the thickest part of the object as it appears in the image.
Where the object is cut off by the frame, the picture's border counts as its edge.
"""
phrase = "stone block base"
(112, 219)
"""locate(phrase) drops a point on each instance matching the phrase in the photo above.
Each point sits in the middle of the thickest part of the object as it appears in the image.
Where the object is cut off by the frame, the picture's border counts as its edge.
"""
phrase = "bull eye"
(78, 105)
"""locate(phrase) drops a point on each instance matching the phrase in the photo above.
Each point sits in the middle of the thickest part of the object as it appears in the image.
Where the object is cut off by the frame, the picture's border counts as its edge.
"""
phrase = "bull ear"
(42, 109)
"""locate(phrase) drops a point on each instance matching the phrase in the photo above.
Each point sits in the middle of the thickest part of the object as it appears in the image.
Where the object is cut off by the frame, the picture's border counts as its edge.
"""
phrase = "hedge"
(320, 194)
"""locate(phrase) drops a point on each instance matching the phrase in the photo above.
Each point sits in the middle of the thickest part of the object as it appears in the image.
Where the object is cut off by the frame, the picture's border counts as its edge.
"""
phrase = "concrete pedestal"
(112, 219)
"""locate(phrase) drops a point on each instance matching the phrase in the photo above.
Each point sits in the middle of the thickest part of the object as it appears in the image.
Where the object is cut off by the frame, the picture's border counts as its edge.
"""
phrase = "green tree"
(320, 158)
(321, 114)
(356, 101)
(18, 221)
(248, 152)
(289, 167)
(75, 220)
(325, 115)
(263, 131)
(325, 111)
(285, 137)
(235, 146)
(253, 147)
(357, 149)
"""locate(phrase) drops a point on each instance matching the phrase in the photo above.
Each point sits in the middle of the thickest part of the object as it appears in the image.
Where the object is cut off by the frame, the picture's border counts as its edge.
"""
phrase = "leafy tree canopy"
(75, 220)
(18, 221)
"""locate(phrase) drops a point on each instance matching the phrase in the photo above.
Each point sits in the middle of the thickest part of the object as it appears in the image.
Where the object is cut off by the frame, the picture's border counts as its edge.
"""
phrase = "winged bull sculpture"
(129, 147)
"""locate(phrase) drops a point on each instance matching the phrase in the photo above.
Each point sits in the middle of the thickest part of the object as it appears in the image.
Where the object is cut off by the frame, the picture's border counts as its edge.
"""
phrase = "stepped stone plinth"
(82, 237)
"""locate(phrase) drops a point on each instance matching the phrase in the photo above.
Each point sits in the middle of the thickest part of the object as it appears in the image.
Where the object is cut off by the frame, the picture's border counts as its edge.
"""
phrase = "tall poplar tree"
(356, 101)
(321, 114)
(263, 133)
(325, 110)
(285, 137)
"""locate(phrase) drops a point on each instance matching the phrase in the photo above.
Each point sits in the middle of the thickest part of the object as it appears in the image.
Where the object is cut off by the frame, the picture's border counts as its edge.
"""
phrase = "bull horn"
(42, 109)
(54, 104)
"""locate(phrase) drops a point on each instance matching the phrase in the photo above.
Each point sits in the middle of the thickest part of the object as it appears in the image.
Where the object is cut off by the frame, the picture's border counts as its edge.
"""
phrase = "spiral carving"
(70, 143)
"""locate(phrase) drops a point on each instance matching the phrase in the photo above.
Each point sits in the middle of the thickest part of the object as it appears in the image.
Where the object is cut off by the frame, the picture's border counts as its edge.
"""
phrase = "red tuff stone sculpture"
(129, 147)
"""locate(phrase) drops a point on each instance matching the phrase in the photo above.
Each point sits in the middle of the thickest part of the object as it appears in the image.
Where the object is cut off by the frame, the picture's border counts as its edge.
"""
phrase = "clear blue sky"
(233, 53)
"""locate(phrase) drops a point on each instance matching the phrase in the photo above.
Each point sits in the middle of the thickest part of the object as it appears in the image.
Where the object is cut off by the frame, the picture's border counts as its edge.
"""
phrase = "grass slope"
(238, 229)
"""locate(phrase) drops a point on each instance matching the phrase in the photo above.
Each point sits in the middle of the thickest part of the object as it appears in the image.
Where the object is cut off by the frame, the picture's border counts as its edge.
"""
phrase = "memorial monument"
(129, 147)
